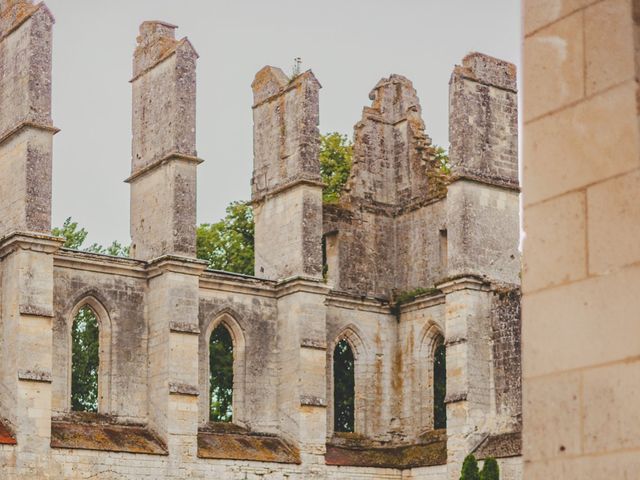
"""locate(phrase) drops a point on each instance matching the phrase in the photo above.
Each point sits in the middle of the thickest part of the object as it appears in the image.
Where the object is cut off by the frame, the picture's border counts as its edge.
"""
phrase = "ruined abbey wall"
(417, 254)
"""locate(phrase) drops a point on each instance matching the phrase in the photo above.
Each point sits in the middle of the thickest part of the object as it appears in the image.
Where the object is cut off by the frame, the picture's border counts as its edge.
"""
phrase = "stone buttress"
(26, 247)
(163, 222)
(483, 257)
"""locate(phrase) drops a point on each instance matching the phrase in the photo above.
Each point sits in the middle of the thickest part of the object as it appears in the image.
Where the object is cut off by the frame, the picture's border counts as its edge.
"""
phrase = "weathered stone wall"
(116, 292)
(581, 178)
(507, 363)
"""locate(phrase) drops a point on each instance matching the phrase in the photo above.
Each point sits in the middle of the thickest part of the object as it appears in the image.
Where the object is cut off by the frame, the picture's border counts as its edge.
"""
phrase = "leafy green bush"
(470, 469)
(490, 470)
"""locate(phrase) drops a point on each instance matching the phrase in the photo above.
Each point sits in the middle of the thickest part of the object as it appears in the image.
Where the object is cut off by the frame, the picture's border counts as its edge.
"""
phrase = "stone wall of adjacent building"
(581, 334)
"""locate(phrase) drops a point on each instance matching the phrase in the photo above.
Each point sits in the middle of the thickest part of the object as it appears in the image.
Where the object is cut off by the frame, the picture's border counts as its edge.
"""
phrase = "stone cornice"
(464, 282)
(27, 124)
(353, 302)
(175, 264)
(299, 284)
(100, 263)
(232, 282)
(29, 241)
(161, 161)
(422, 302)
(494, 181)
(287, 186)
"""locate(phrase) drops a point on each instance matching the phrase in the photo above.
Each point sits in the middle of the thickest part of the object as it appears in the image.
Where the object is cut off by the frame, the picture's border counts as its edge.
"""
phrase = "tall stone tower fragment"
(164, 161)
(26, 128)
(286, 186)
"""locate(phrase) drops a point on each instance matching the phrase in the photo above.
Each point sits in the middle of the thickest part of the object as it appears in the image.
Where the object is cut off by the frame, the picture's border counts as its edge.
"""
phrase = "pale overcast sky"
(349, 45)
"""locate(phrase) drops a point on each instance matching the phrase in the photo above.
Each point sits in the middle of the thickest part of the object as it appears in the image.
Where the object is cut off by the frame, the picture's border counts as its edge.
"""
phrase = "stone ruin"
(415, 256)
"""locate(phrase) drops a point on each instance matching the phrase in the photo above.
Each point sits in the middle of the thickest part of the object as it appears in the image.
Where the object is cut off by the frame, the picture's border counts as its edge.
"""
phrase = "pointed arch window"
(221, 375)
(439, 385)
(343, 387)
(85, 361)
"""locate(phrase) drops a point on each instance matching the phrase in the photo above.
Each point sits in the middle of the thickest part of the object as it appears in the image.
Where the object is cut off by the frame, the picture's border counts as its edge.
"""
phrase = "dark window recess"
(439, 387)
(343, 388)
(221, 375)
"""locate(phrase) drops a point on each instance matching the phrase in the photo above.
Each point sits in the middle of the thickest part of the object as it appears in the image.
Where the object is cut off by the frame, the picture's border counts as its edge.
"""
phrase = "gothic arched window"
(85, 361)
(221, 375)
(439, 386)
(343, 388)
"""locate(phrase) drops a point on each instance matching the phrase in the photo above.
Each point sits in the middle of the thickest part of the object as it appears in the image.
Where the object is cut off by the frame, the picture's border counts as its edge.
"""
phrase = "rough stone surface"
(163, 163)
(581, 335)
(416, 258)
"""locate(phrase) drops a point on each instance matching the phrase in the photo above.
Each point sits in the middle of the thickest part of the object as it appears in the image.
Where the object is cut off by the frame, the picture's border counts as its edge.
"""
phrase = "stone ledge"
(355, 451)
(312, 401)
(243, 445)
(94, 433)
(34, 376)
(500, 446)
(6, 435)
(176, 388)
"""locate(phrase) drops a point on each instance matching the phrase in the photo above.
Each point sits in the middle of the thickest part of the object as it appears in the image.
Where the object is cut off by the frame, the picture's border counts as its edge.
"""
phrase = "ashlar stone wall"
(581, 335)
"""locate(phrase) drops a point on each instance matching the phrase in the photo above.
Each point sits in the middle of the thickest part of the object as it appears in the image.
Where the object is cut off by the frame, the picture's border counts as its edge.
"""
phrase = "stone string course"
(446, 244)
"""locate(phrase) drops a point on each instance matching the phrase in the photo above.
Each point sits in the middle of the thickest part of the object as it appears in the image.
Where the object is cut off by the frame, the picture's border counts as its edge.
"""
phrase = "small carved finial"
(297, 64)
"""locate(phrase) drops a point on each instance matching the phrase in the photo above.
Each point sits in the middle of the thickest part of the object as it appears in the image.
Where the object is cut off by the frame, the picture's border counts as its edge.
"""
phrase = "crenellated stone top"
(393, 161)
(156, 42)
(488, 70)
(394, 98)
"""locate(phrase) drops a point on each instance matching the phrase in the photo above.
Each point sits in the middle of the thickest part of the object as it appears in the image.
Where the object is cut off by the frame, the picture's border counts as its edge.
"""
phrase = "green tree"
(75, 237)
(85, 361)
(336, 153)
(490, 470)
(220, 375)
(442, 159)
(228, 244)
(470, 469)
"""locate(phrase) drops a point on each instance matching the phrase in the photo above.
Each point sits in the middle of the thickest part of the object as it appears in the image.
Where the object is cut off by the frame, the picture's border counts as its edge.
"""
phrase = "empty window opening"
(439, 386)
(221, 375)
(85, 361)
(444, 247)
(343, 388)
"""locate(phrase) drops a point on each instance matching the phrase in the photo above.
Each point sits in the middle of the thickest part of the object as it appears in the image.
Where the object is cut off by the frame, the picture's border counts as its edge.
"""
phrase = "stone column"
(302, 386)
(286, 184)
(164, 161)
(173, 354)
(163, 222)
(468, 344)
(26, 247)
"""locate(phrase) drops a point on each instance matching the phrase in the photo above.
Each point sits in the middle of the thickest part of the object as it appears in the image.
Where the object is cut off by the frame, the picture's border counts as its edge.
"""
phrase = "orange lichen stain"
(354, 450)
(105, 436)
(246, 446)
(6, 436)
